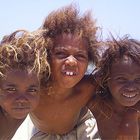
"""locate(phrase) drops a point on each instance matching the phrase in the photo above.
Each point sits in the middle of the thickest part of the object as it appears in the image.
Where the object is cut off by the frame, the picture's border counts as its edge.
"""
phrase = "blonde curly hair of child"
(26, 51)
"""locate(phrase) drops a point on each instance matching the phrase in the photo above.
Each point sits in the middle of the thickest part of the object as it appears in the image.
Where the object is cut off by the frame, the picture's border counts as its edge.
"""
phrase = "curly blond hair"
(69, 20)
(23, 50)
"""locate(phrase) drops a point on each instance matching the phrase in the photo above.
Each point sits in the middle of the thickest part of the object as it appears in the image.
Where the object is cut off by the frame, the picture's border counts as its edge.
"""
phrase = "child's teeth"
(69, 73)
(129, 96)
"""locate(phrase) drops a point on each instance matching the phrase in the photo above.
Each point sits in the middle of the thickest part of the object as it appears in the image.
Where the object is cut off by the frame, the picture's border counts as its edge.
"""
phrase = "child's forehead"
(18, 77)
(69, 38)
(68, 42)
(19, 72)
(124, 59)
(125, 62)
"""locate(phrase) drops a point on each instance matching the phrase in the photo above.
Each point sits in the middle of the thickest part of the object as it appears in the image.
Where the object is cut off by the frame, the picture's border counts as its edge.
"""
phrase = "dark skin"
(124, 86)
(61, 105)
(122, 125)
(8, 126)
(16, 100)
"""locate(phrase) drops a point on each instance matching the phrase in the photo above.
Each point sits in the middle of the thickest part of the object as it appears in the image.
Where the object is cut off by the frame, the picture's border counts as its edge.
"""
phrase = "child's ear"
(1, 95)
(108, 81)
(0, 91)
(0, 87)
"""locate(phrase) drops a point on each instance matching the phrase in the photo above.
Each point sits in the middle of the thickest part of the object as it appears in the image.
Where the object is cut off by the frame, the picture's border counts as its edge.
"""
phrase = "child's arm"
(129, 126)
(100, 108)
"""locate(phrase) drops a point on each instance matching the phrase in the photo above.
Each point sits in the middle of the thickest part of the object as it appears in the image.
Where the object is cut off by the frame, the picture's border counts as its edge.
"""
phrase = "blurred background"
(116, 16)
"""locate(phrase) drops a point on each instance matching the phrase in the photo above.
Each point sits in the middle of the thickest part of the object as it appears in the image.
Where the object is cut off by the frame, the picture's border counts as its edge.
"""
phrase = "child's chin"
(20, 115)
(130, 104)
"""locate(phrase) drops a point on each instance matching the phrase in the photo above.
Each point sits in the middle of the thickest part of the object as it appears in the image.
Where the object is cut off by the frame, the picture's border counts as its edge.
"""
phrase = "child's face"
(19, 93)
(69, 60)
(124, 83)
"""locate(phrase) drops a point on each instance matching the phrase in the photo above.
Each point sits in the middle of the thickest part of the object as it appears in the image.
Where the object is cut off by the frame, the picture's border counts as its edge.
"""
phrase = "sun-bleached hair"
(69, 20)
(26, 51)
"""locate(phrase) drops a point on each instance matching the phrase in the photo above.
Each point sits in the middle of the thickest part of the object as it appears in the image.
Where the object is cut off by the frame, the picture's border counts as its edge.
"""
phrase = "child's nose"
(22, 102)
(131, 86)
(71, 61)
(22, 98)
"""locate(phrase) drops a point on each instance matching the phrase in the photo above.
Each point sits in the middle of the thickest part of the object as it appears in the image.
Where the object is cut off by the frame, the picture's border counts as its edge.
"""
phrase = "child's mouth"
(130, 95)
(70, 73)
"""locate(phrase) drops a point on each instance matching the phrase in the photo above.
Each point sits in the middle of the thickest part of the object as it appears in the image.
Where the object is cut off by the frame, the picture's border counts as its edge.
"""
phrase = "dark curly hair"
(116, 50)
(68, 20)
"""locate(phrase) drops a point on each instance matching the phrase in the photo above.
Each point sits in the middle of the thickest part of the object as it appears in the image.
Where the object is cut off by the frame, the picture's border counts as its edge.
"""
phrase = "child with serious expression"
(69, 60)
(117, 108)
(21, 69)
(62, 111)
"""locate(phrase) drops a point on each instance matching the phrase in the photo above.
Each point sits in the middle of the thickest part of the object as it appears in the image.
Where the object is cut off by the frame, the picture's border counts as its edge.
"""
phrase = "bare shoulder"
(89, 78)
(87, 85)
(85, 89)
(87, 81)
(100, 107)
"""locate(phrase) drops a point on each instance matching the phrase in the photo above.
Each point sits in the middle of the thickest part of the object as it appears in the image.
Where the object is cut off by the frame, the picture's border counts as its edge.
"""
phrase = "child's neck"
(117, 108)
(58, 93)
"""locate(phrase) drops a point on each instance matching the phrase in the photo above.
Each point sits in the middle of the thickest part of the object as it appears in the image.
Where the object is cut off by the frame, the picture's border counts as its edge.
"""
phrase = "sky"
(119, 17)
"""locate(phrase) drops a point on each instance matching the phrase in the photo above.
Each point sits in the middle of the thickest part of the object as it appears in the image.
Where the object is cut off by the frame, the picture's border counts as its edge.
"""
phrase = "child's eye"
(10, 90)
(81, 57)
(121, 79)
(60, 54)
(33, 91)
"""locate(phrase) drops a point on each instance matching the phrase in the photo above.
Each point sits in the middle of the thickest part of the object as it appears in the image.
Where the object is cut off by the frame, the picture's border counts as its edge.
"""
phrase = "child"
(62, 112)
(22, 65)
(117, 108)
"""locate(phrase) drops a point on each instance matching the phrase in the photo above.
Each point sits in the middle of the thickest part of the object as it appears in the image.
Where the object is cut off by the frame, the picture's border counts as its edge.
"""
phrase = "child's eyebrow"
(82, 51)
(34, 86)
(65, 49)
(10, 85)
(14, 85)
(118, 75)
